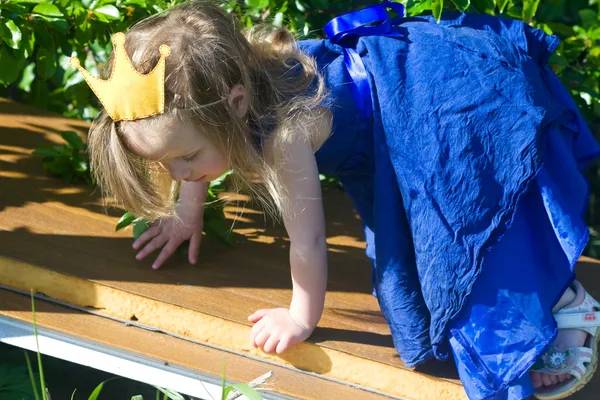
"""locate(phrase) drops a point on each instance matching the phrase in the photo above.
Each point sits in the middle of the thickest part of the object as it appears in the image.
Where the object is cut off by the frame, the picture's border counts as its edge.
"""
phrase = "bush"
(38, 37)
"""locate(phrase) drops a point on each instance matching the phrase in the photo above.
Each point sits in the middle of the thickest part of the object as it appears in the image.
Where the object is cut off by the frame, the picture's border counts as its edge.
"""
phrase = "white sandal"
(579, 362)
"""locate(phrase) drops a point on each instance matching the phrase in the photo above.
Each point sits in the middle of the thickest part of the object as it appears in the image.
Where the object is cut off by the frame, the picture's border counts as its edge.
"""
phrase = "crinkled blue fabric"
(468, 178)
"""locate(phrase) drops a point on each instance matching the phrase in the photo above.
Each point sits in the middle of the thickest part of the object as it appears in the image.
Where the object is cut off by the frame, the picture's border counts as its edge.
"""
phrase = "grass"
(22, 385)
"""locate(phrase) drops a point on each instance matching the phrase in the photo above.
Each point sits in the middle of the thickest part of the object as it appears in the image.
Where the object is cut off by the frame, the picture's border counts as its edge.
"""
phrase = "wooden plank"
(61, 229)
(173, 351)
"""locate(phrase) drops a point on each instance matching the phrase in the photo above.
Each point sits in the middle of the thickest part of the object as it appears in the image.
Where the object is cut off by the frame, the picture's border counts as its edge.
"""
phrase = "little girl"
(459, 147)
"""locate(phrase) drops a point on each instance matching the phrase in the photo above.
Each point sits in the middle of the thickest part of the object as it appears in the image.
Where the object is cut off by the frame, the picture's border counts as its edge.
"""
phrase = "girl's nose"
(180, 175)
(178, 172)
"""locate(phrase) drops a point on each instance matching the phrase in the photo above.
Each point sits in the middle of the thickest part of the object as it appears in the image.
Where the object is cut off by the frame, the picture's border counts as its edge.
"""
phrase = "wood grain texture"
(175, 352)
(64, 228)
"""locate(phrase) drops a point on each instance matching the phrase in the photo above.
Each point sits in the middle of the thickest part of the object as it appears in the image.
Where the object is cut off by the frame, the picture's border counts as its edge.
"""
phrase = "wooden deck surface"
(57, 239)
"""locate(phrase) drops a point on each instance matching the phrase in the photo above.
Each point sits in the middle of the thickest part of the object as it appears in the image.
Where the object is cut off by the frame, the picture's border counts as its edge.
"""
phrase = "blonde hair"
(209, 55)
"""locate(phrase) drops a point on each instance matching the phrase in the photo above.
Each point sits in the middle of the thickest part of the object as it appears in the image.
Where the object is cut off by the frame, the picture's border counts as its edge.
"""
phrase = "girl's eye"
(190, 158)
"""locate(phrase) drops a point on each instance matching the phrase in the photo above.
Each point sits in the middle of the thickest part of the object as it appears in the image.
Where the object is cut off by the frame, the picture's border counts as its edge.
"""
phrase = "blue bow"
(343, 30)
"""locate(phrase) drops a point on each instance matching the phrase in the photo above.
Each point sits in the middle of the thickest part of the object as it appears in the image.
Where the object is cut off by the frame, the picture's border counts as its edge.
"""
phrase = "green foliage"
(68, 161)
(14, 382)
(246, 390)
(38, 37)
(170, 394)
(96, 392)
(39, 355)
(215, 223)
(31, 376)
(330, 182)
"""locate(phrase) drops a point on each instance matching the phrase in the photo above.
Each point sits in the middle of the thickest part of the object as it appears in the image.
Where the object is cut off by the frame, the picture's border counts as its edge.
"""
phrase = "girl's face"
(183, 151)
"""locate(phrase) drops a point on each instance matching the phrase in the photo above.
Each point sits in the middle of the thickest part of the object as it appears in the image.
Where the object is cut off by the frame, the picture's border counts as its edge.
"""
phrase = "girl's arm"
(278, 329)
(306, 229)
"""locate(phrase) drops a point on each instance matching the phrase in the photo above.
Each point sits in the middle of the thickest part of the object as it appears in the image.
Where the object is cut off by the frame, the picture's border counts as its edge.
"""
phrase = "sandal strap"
(569, 361)
(579, 320)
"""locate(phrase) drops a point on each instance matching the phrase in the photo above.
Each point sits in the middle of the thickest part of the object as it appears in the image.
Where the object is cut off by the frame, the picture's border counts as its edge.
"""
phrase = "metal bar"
(113, 360)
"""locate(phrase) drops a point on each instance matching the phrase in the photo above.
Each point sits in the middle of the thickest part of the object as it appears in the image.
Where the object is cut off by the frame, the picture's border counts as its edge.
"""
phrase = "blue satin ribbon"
(345, 29)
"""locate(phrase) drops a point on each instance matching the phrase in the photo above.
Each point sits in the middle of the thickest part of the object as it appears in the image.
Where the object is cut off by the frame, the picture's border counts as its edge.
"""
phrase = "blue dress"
(468, 177)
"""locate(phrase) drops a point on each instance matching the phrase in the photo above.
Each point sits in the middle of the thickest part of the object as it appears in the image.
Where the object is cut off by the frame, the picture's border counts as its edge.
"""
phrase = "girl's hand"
(171, 232)
(277, 330)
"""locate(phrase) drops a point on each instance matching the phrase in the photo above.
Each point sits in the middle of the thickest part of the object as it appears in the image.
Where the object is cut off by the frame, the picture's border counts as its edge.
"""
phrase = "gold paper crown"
(127, 94)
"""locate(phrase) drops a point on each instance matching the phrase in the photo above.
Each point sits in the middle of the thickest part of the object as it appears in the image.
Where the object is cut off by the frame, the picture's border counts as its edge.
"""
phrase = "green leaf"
(59, 25)
(137, 397)
(28, 43)
(226, 392)
(247, 391)
(73, 139)
(561, 29)
(27, 77)
(173, 395)
(39, 93)
(220, 229)
(462, 5)
(55, 169)
(485, 6)
(68, 176)
(30, 370)
(529, 9)
(257, 3)
(48, 10)
(217, 184)
(46, 152)
(45, 63)
(436, 7)
(39, 355)
(278, 20)
(126, 220)
(418, 7)
(11, 34)
(588, 17)
(11, 66)
(140, 227)
(109, 11)
(44, 38)
(14, 380)
(223, 383)
(211, 212)
(97, 391)
(320, 4)
(141, 3)
(501, 4)
(80, 165)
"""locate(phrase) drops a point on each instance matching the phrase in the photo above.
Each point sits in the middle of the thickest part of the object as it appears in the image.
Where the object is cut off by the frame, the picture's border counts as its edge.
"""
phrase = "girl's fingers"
(258, 315)
(262, 338)
(194, 249)
(255, 331)
(282, 346)
(271, 344)
(166, 252)
(144, 237)
(154, 244)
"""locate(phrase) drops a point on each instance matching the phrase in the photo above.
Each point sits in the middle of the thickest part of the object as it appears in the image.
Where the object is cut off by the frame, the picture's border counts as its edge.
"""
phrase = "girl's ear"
(238, 100)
